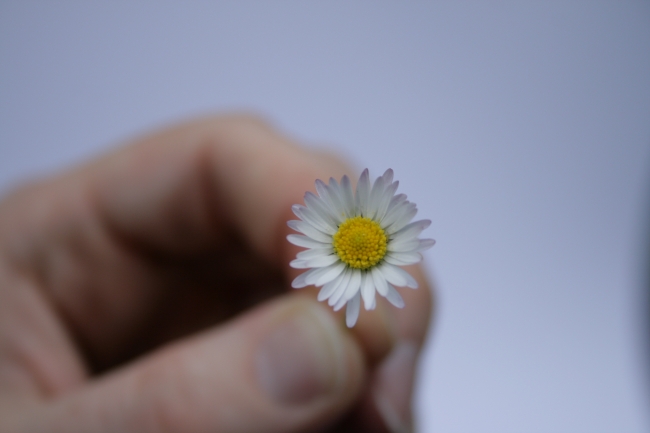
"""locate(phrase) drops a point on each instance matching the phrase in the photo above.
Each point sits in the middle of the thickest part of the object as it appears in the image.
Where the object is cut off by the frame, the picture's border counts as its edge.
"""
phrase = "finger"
(387, 402)
(386, 405)
(187, 188)
(376, 330)
(180, 189)
(287, 366)
(94, 237)
(391, 387)
(413, 320)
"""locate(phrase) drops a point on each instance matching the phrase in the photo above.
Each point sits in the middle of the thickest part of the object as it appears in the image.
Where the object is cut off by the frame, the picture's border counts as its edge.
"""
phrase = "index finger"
(176, 193)
(178, 190)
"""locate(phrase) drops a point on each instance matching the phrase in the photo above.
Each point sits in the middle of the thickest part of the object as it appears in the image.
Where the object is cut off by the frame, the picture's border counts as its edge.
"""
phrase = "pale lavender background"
(522, 130)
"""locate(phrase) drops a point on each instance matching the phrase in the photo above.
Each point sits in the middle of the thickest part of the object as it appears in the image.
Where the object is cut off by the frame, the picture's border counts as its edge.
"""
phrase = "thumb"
(285, 366)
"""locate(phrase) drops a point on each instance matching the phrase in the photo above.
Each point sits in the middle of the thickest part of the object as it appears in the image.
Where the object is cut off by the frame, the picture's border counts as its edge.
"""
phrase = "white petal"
(388, 176)
(403, 246)
(396, 201)
(309, 230)
(376, 194)
(403, 259)
(341, 289)
(314, 252)
(301, 280)
(313, 218)
(397, 276)
(299, 264)
(425, 244)
(329, 288)
(337, 199)
(354, 285)
(321, 189)
(325, 275)
(340, 304)
(382, 207)
(296, 209)
(374, 303)
(352, 312)
(319, 262)
(402, 219)
(391, 275)
(394, 297)
(318, 206)
(411, 230)
(306, 242)
(410, 281)
(347, 197)
(335, 271)
(363, 190)
(367, 290)
(395, 210)
(328, 197)
(380, 281)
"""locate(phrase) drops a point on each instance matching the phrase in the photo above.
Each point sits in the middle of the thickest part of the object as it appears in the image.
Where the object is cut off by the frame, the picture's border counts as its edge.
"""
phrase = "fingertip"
(413, 321)
(377, 332)
(306, 356)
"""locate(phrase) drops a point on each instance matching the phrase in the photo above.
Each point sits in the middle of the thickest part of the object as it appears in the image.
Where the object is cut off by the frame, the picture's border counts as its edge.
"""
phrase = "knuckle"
(243, 121)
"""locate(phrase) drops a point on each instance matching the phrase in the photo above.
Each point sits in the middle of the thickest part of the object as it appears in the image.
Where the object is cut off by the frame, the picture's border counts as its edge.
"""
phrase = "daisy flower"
(356, 242)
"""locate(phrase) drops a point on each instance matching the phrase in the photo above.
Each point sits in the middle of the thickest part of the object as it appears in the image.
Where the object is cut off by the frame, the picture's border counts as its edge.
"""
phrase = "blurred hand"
(148, 292)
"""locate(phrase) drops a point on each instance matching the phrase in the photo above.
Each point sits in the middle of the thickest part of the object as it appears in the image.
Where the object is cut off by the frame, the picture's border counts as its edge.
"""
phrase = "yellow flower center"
(360, 242)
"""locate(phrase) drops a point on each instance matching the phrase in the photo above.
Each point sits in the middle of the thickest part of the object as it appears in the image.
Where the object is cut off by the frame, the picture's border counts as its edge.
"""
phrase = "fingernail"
(394, 386)
(302, 359)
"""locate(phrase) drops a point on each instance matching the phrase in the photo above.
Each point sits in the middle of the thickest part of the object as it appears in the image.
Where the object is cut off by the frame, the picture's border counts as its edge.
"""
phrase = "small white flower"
(356, 242)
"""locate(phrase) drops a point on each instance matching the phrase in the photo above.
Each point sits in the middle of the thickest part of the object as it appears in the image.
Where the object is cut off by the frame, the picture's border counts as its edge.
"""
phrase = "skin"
(135, 289)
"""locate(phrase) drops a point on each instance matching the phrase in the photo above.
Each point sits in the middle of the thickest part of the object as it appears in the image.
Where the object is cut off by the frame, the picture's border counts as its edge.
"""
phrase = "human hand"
(147, 291)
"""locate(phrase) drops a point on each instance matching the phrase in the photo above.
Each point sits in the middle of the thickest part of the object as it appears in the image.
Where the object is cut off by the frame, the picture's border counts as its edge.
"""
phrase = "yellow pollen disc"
(360, 242)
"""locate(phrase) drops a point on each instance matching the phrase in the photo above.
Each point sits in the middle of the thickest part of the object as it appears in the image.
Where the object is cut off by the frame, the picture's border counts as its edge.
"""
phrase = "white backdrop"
(521, 129)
